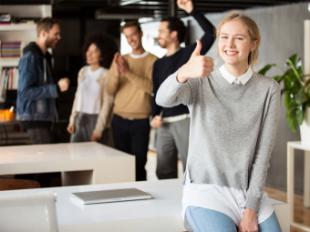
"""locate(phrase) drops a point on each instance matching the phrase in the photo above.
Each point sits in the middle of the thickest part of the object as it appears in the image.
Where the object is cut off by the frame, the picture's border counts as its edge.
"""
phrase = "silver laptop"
(114, 195)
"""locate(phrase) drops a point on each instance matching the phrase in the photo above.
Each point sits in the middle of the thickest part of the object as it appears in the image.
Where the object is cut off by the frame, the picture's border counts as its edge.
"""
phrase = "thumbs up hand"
(198, 66)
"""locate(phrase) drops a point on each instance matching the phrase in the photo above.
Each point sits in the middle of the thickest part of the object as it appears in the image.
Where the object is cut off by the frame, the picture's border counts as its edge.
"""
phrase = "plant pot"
(305, 128)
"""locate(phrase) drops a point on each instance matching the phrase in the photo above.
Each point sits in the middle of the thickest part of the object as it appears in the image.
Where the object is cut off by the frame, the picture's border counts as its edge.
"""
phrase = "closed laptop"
(113, 195)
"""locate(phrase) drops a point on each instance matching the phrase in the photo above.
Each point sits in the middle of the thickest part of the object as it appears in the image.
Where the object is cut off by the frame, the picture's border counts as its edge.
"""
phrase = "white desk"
(161, 214)
(79, 163)
(291, 146)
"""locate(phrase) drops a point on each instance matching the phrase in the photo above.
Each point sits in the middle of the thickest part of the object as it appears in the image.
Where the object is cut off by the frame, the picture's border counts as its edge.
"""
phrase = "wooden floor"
(301, 214)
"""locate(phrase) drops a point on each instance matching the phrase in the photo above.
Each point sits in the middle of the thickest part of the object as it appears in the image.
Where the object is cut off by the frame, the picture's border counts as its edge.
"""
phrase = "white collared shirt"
(243, 79)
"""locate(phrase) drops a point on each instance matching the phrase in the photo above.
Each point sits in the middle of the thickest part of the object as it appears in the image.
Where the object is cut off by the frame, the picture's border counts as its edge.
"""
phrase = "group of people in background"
(195, 110)
(115, 95)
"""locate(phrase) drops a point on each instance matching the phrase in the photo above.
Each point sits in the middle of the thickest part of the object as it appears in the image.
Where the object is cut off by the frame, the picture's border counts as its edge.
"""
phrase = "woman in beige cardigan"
(92, 106)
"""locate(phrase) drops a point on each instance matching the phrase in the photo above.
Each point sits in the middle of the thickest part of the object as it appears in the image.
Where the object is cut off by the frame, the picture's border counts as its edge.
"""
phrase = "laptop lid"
(113, 195)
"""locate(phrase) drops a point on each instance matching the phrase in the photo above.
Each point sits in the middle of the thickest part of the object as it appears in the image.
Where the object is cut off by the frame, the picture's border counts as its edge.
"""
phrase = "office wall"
(282, 35)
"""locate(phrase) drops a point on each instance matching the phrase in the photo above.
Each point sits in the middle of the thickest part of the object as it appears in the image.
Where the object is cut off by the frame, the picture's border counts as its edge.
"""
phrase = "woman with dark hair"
(92, 106)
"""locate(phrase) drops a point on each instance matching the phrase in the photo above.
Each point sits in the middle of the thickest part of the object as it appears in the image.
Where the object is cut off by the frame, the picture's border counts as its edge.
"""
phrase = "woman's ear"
(254, 45)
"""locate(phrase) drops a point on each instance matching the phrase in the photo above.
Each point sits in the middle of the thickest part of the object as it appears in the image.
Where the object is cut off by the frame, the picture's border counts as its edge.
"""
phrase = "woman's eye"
(223, 37)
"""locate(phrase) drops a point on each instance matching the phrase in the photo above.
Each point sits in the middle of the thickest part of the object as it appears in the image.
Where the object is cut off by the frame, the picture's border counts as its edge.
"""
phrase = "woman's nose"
(231, 43)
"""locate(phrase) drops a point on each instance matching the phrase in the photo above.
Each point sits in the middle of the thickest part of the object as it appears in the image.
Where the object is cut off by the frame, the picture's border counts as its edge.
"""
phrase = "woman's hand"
(198, 66)
(95, 137)
(70, 129)
(249, 221)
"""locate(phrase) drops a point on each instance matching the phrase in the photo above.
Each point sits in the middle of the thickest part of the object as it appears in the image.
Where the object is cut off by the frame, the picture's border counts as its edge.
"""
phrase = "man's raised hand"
(186, 5)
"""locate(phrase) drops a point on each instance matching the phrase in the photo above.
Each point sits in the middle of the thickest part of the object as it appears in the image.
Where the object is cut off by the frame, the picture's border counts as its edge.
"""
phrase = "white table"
(291, 146)
(162, 213)
(79, 163)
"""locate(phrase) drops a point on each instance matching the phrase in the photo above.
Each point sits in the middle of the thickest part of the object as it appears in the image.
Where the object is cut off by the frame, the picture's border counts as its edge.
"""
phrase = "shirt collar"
(138, 56)
(243, 79)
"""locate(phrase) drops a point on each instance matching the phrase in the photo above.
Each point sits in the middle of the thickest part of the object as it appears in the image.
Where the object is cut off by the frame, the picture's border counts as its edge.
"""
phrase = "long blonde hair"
(252, 30)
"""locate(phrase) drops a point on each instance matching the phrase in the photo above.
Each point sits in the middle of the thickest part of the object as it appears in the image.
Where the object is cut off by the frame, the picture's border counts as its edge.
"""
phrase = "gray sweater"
(232, 130)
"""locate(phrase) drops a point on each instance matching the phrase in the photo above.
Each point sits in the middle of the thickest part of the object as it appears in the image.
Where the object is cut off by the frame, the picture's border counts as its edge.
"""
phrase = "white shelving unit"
(24, 33)
(291, 147)
(18, 27)
(9, 62)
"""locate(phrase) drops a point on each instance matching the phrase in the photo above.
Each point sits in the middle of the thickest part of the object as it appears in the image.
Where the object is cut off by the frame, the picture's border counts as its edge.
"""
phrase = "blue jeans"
(204, 220)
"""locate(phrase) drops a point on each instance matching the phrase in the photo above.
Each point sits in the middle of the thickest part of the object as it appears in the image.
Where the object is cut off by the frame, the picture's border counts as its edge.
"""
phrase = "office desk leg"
(290, 188)
(124, 173)
(290, 181)
(77, 177)
(307, 180)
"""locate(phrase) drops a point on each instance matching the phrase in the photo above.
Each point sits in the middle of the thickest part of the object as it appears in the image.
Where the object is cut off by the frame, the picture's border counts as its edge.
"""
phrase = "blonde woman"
(92, 107)
(234, 113)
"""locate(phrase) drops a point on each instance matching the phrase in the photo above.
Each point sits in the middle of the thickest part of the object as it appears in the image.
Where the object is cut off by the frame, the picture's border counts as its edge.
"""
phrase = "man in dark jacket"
(37, 90)
(173, 123)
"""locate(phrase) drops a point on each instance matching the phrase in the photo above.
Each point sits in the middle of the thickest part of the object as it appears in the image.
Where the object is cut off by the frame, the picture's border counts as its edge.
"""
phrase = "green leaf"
(288, 100)
(291, 83)
(299, 114)
(278, 78)
(300, 97)
(292, 59)
(265, 69)
(292, 123)
(295, 116)
(307, 92)
(295, 90)
(293, 63)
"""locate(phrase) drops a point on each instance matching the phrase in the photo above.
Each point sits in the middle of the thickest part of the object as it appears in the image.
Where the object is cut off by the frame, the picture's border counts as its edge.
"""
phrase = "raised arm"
(105, 111)
(113, 77)
(175, 90)
(172, 93)
(209, 30)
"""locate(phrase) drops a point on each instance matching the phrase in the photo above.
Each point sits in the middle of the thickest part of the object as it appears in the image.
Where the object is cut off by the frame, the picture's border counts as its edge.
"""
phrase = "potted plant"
(296, 91)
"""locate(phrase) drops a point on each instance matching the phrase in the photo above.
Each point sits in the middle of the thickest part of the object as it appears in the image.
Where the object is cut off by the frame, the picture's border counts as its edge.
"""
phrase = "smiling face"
(134, 37)
(164, 35)
(52, 37)
(235, 43)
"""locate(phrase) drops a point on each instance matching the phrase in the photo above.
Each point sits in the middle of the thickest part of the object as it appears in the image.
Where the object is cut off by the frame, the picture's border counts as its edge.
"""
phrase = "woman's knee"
(270, 224)
(199, 219)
